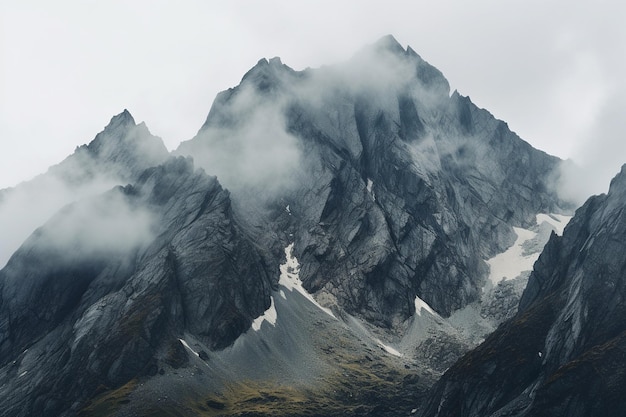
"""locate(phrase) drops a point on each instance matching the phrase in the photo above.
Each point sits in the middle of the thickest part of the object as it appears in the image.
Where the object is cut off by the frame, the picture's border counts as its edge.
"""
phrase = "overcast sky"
(553, 70)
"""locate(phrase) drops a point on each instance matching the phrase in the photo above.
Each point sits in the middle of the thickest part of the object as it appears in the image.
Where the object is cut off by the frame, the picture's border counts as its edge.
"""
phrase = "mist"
(28, 206)
(253, 152)
(101, 226)
(114, 157)
(599, 157)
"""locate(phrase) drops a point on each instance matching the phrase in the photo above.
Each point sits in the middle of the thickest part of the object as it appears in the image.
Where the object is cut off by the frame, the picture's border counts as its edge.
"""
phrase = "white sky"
(553, 70)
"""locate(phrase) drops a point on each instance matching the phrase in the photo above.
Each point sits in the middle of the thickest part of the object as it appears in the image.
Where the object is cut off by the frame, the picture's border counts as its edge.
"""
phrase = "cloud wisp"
(599, 157)
(28, 206)
(98, 227)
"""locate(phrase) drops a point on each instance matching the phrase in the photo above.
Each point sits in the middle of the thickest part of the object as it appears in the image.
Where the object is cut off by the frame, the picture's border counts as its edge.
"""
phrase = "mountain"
(329, 243)
(117, 155)
(563, 353)
(418, 186)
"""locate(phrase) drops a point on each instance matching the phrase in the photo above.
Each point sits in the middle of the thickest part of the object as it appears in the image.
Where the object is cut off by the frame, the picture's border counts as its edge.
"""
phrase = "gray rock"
(104, 316)
(562, 354)
(401, 190)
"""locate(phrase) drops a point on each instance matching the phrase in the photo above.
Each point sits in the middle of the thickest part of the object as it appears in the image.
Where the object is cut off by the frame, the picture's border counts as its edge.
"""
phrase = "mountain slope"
(331, 263)
(562, 354)
(137, 267)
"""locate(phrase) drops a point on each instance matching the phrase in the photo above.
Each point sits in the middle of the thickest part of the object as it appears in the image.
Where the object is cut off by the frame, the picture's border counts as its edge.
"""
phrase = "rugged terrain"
(329, 243)
(563, 353)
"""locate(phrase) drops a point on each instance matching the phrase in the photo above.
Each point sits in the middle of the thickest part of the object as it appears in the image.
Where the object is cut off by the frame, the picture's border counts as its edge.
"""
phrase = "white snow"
(558, 221)
(22, 374)
(422, 305)
(288, 210)
(370, 184)
(188, 347)
(389, 349)
(269, 316)
(290, 278)
(511, 263)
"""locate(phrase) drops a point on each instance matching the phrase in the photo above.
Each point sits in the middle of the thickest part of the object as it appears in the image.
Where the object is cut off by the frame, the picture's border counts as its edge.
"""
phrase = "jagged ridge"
(562, 354)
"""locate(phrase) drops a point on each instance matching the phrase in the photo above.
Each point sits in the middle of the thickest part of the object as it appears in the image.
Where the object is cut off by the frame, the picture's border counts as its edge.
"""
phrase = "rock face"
(562, 354)
(365, 184)
(92, 310)
(399, 189)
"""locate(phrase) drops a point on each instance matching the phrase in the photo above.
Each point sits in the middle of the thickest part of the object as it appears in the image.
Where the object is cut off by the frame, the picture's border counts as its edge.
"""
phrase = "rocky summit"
(329, 243)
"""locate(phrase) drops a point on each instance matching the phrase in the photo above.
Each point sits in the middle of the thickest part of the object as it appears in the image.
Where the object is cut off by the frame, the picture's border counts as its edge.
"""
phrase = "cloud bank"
(101, 226)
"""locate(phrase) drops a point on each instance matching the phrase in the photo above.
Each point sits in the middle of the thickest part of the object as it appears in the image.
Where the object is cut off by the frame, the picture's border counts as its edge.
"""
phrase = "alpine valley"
(352, 240)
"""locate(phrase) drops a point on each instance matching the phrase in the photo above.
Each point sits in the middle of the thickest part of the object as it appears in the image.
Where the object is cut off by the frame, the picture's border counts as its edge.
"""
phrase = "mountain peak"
(122, 119)
(388, 42)
(267, 73)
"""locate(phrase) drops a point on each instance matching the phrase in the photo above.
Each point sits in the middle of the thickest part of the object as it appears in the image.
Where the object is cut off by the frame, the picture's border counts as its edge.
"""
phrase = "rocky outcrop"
(105, 302)
(562, 354)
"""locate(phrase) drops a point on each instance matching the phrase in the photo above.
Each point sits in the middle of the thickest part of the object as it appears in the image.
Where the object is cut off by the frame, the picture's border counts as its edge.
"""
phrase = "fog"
(599, 158)
(246, 142)
(30, 205)
(258, 154)
(253, 151)
(100, 226)
(122, 150)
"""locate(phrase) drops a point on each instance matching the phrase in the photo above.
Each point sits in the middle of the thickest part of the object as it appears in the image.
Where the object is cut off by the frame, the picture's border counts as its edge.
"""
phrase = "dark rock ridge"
(79, 314)
(400, 189)
(563, 353)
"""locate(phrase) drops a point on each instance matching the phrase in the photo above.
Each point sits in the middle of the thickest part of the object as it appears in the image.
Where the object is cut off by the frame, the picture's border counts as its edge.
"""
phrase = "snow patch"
(370, 184)
(288, 210)
(269, 316)
(422, 305)
(290, 278)
(515, 260)
(557, 221)
(188, 347)
(389, 349)
(512, 262)
(22, 374)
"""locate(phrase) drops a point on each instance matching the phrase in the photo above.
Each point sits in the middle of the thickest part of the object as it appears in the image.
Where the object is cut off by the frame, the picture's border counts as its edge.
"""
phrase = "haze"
(552, 70)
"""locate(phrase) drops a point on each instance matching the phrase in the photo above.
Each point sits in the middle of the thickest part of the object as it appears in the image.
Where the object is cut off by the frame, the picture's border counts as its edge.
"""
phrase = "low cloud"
(100, 226)
(116, 156)
(31, 204)
(247, 143)
(600, 156)
(254, 151)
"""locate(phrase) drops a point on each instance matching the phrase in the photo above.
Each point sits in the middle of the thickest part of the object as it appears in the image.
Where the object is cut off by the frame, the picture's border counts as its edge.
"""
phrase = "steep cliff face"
(100, 293)
(391, 187)
(562, 354)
